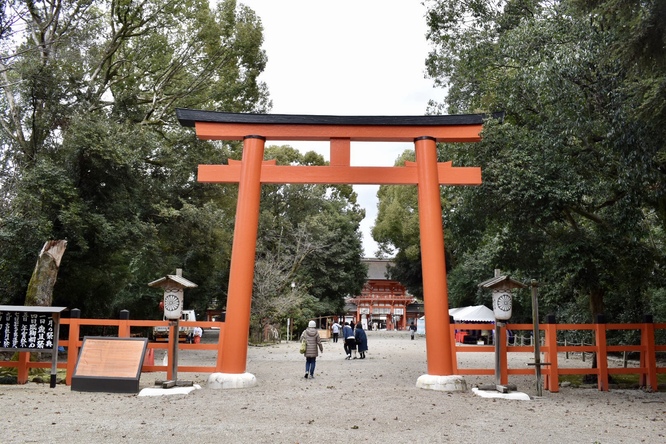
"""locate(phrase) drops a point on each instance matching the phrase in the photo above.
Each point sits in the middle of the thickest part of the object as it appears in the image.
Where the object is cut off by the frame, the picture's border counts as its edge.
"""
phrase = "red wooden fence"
(124, 326)
(648, 369)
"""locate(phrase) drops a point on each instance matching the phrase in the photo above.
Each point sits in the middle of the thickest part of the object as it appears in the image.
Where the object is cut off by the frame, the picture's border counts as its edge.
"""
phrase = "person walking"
(361, 340)
(198, 333)
(412, 329)
(335, 329)
(312, 348)
(349, 340)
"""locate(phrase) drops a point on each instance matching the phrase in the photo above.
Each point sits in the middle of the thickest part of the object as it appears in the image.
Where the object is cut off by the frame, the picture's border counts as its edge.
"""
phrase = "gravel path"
(372, 400)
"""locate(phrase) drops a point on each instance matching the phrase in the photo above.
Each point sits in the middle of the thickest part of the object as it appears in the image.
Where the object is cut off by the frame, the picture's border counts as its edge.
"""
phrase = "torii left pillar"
(232, 362)
(252, 171)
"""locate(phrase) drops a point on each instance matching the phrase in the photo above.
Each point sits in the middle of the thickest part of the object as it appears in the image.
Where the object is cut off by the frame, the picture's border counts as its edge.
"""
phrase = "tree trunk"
(40, 288)
(597, 305)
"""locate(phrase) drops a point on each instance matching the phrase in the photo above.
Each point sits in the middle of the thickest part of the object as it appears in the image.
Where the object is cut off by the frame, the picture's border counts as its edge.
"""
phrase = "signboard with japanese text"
(26, 331)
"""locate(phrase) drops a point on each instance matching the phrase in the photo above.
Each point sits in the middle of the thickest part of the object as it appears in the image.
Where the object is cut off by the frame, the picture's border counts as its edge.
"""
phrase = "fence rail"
(648, 365)
(123, 329)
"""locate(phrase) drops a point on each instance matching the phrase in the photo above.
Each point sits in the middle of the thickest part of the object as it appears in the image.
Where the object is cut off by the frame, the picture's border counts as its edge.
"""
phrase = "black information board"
(29, 329)
(26, 331)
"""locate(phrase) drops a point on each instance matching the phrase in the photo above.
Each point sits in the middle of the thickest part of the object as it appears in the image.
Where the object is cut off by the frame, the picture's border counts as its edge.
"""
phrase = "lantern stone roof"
(176, 278)
(501, 281)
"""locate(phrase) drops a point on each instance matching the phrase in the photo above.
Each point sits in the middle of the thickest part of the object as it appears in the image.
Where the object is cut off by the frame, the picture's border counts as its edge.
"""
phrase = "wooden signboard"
(109, 365)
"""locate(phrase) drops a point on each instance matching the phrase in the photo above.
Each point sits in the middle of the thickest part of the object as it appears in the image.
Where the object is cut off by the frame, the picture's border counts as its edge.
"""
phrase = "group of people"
(355, 340)
(354, 337)
(194, 337)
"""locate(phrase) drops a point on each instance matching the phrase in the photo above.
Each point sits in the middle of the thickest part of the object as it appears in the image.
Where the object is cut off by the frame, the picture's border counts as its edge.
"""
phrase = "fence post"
(73, 341)
(648, 354)
(123, 325)
(454, 352)
(172, 354)
(22, 369)
(552, 377)
(504, 362)
(602, 351)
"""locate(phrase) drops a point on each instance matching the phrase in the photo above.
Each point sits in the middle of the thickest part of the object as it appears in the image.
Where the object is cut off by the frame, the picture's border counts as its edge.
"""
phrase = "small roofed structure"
(474, 313)
(173, 280)
(501, 282)
(464, 315)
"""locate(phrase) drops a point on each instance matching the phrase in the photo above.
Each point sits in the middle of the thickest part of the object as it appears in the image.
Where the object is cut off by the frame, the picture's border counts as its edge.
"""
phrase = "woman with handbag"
(313, 347)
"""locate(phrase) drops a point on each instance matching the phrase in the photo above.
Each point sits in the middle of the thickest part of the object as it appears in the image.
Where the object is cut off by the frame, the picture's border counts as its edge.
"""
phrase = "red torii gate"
(340, 131)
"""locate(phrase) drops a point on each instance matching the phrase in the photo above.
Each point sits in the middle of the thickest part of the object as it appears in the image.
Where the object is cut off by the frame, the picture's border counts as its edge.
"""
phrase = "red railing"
(648, 367)
(124, 326)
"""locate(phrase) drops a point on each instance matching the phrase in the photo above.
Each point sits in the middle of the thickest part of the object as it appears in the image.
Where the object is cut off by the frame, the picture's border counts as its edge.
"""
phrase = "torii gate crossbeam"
(340, 131)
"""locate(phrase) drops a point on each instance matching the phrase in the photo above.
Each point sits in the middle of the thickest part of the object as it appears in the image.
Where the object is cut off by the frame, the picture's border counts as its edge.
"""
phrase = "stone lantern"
(501, 287)
(173, 285)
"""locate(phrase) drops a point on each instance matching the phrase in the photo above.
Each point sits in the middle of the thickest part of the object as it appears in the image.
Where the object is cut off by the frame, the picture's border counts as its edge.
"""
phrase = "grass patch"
(623, 381)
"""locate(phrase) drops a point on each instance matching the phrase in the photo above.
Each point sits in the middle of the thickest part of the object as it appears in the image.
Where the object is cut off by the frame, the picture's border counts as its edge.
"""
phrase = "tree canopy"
(91, 152)
(573, 185)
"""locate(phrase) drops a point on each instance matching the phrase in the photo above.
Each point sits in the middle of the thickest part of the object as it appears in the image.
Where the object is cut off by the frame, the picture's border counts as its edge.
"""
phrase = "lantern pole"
(535, 335)
(498, 356)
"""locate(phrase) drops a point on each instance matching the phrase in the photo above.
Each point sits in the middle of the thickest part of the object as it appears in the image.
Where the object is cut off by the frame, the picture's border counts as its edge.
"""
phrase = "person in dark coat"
(349, 340)
(412, 329)
(361, 340)
(312, 348)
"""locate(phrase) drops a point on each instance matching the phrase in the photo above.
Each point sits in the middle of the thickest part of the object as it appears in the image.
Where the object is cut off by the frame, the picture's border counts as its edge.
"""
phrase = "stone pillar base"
(231, 380)
(453, 383)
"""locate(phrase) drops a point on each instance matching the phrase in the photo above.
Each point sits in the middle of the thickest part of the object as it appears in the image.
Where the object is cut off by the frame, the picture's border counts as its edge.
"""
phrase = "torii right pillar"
(440, 354)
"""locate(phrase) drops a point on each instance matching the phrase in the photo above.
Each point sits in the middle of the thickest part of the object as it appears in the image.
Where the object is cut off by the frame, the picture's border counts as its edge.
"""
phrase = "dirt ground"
(372, 400)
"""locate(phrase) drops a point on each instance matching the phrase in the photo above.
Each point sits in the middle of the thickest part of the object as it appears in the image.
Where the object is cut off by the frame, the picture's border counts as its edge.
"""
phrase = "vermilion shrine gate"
(340, 131)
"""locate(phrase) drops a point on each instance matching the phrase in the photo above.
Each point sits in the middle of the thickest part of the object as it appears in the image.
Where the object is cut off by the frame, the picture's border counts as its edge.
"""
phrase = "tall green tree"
(571, 178)
(317, 227)
(396, 230)
(90, 150)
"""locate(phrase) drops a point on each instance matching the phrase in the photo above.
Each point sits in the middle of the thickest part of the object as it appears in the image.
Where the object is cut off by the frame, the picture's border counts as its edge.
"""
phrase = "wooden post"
(454, 362)
(73, 341)
(602, 353)
(22, 369)
(172, 356)
(123, 325)
(503, 363)
(551, 379)
(536, 334)
(648, 354)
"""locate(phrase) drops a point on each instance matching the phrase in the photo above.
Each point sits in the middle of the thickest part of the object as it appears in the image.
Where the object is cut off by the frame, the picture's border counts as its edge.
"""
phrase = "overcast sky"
(347, 57)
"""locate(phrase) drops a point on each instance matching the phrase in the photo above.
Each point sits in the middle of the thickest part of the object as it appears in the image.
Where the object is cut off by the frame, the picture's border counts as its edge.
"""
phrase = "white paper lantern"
(502, 304)
(173, 302)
